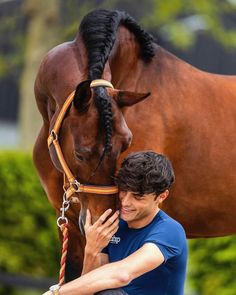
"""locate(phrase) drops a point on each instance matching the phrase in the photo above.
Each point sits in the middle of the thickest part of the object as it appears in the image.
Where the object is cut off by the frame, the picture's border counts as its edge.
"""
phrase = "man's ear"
(163, 196)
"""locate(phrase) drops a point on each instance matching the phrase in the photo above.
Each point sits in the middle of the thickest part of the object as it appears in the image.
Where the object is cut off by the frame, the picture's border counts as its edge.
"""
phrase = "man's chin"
(126, 216)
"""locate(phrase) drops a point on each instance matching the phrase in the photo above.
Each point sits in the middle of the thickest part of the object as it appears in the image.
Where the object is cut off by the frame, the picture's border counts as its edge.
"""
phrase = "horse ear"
(82, 96)
(127, 98)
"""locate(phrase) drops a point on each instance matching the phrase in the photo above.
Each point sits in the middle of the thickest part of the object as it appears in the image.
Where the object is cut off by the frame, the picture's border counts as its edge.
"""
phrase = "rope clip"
(62, 220)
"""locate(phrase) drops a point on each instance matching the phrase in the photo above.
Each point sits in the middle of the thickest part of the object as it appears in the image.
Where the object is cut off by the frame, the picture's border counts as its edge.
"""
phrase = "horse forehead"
(84, 129)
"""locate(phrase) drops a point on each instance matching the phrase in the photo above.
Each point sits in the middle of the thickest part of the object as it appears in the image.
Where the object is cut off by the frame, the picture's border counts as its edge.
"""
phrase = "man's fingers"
(88, 220)
(103, 217)
(109, 232)
(114, 227)
(112, 219)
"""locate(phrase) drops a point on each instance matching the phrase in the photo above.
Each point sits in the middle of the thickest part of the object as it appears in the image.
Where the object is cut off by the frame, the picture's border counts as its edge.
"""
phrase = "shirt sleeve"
(170, 239)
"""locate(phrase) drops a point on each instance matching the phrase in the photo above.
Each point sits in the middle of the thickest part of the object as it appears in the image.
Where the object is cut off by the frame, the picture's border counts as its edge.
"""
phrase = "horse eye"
(79, 157)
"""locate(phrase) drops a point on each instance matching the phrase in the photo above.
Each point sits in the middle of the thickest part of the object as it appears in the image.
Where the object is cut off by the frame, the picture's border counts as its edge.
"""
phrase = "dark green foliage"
(181, 21)
(28, 233)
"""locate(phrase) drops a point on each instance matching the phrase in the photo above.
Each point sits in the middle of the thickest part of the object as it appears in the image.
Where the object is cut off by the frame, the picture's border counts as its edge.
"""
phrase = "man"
(146, 253)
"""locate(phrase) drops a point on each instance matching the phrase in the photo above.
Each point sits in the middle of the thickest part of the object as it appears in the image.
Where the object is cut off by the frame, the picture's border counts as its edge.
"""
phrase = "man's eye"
(138, 196)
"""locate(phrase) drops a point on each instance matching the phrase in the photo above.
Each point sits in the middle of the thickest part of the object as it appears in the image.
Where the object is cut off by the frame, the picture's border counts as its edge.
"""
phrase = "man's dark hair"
(145, 172)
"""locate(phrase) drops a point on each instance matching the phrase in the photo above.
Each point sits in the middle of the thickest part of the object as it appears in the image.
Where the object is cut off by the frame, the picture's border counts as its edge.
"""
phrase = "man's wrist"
(90, 252)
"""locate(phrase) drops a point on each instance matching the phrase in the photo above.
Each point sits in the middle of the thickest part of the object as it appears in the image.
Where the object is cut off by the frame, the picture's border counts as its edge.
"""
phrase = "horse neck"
(129, 72)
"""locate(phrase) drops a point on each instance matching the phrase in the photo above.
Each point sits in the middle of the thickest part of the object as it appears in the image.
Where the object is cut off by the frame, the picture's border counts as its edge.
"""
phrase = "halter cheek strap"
(74, 185)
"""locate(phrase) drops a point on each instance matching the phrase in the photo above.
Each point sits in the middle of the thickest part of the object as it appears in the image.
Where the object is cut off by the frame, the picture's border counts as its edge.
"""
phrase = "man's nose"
(125, 199)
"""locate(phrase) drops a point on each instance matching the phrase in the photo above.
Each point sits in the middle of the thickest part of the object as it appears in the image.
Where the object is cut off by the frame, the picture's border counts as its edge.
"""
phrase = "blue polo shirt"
(169, 236)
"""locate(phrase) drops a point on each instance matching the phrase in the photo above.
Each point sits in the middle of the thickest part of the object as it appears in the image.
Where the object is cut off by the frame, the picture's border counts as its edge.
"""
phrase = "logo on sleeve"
(115, 240)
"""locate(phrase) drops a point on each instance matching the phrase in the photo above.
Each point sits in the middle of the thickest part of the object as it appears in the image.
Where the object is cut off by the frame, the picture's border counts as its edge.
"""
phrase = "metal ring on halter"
(76, 185)
(61, 219)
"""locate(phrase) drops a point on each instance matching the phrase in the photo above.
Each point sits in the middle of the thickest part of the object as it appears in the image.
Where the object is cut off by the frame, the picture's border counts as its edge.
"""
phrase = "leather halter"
(74, 185)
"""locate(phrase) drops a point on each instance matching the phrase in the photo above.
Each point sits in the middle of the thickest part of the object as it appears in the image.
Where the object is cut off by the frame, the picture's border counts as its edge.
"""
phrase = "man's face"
(138, 210)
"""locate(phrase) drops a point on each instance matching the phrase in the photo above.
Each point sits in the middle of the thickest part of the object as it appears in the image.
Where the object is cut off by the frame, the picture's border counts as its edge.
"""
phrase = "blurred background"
(201, 32)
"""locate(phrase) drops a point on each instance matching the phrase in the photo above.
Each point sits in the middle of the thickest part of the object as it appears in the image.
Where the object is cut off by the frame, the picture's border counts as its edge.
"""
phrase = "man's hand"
(99, 234)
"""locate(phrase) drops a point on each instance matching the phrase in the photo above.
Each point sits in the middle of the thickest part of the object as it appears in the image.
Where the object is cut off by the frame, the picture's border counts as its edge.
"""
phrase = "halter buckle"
(76, 185)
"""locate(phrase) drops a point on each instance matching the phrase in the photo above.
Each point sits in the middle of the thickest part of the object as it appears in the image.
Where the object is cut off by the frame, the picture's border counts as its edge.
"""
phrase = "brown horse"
(190, 116)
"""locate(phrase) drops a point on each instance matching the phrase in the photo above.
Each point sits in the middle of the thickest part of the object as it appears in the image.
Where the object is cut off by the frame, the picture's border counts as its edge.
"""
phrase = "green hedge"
(212, 266)
(28, 233)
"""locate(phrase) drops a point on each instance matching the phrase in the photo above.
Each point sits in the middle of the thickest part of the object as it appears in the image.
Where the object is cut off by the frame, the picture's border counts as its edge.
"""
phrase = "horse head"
(92, 136)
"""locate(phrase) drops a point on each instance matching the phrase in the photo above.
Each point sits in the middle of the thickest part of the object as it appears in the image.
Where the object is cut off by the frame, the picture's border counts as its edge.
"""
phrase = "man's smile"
(125, 210)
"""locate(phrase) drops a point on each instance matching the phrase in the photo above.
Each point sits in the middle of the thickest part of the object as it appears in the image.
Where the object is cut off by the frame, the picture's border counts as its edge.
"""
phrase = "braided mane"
(98, 30)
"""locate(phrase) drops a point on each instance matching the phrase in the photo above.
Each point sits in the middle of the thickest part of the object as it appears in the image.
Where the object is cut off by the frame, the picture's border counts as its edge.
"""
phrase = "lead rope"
(64, 230)
(62, 223)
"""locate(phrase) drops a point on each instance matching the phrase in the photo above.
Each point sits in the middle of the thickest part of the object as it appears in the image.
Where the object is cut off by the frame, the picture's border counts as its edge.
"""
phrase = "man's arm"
(92, 261)
(116, 274)
(98, 236)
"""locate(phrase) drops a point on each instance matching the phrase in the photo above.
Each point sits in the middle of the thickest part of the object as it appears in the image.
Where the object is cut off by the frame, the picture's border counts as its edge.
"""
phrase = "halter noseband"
(74, 185)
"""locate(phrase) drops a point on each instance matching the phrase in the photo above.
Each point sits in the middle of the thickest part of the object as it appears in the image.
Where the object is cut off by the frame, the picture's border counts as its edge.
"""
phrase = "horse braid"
(103, 104)
(145, 39)
(98, 30)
